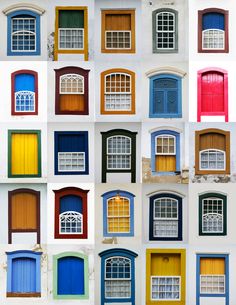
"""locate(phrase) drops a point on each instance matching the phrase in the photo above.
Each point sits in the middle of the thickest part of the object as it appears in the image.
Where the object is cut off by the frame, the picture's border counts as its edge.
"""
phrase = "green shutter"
(71, 19)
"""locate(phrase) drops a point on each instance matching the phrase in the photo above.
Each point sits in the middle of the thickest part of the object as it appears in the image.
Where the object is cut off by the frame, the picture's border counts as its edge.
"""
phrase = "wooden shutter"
(71, 19)
(165, 264)
(118, 22)
(165, 163)
(72, 102)
(212, 140)
(213, 21)
(24, 154)
(23, 275)
(24, 211)
(71, 203)
(210, 265)
(70, 276)
(25, 82)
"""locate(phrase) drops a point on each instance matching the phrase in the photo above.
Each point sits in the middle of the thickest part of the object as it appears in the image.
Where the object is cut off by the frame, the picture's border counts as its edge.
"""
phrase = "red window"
(71, 213)
(212, 93)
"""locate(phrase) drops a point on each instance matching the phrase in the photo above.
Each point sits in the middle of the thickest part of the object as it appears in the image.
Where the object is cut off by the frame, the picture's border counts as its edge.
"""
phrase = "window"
(165, 276)
(71, 91)
(117, 276)
(212, 214)
(71, 33)
(24, 92)
(118, 31)
(165, 152)
(71, 152)
(70, 276)
(213, 30)
(212, 152)
(165, 96)
(212, 277)
(24, 153)
(23, 274)
(212, 93)
(24, 213)
(71, 213)
(118, 211)
(165, 31)
(117, 92)
(165, 217)
(119, 152)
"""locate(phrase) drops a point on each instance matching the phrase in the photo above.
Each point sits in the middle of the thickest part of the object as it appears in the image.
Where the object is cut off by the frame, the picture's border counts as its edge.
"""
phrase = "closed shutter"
(23, 275)
(165, 264)
(71, 203)
(212, 92)
(72, 102)
(165, 163)
(24, 82)
(213, 21)
(118, 22)
(212, 266)
(71, 143)
(70, 276)
(212, 140)
(24, 154)
(24, 211)
(71, 19)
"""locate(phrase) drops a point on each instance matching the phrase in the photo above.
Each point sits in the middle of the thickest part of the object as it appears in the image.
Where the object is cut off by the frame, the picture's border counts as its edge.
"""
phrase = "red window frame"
(199, 94)
(77, 192)
(13, 75)
(68, 70)
(226, 18)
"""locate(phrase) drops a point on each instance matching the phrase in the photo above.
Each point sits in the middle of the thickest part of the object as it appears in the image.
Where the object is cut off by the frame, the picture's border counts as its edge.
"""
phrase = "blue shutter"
(23, 275)
(158, 98)
(71, 143)
(71, 203)
(25, 82)
(213, 21)
(70, 276)
(172, 104)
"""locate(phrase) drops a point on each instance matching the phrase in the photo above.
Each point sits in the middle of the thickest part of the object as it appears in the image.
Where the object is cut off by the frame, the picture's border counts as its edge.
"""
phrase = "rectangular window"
(23, 34)
(165, 153)
(166, 288)
(118, 152)
(71, 161)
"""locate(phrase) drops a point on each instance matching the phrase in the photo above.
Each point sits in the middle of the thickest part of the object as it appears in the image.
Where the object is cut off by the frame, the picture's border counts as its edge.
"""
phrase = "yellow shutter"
(24, 158)
(165, 264)
(212, 265)
(165, 163)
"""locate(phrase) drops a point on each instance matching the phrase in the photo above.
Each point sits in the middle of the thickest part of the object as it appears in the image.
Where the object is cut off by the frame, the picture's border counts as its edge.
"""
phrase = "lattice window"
(118, 215)
(23, 34)
(119, 152)
(118, 91)
(212, 284)
(212, 159)
(71, 161)
(165, 30)
(165, 145)
(71, 222)
(165, 222)
(24, 101)
(118, 39)
(118, 277)
(212, 215)
(71, 38)
(165, 288)
(213, 39)
(71, 84)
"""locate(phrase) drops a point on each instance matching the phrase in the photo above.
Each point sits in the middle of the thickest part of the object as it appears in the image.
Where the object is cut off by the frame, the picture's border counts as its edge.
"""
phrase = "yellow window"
(118, 215)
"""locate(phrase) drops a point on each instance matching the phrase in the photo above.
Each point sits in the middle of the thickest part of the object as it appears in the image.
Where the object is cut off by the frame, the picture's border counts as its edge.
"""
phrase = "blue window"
(71, 153)
(117, 276)
(165, 152)
(23, 30)
(118, 213)
(212, 278)
(165, 221)
(23, 274)
(165, 96)
(70, 276)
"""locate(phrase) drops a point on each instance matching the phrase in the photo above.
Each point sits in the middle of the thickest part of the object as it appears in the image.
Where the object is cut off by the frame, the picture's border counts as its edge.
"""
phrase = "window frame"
(154, 31)
(224, 215)
(24, 254)
(13, 101)
(152, 200)
(125, 133)
(198, 134)
(125, 253)
(23, 131)
(84, 257)
(66, 191)
(71, 70)
(111, 194)
(57, 49)
(226, 26)
(105, 12)
(103, 76)
(171, 76)
(207, 295)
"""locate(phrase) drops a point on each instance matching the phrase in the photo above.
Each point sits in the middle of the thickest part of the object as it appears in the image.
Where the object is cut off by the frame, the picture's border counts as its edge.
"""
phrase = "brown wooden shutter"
(118, 22)
(212, 141)
(72, 102)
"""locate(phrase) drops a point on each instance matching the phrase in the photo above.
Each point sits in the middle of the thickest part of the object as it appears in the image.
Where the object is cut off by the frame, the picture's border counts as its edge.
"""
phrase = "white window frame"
(165, 153)
(24, 33)
(118, 216)
(167, 276)
(69, 76)
(217, 214)
(118, 48)
(214, 151)
(167, 31)
(70, 170)
(212, 276)
(76, 215)
(118, 279)
(24, 94)
(211, 34)
(70, 29)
